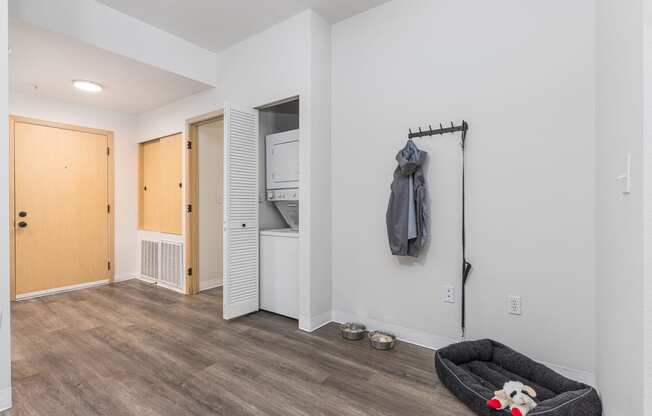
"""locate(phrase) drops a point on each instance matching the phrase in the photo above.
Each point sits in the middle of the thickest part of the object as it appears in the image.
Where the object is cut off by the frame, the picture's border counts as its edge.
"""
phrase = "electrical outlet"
(515, 305)
(449, 294)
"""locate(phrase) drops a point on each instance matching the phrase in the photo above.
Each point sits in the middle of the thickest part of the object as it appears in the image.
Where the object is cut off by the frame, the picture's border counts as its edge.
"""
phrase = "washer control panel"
(283, 195)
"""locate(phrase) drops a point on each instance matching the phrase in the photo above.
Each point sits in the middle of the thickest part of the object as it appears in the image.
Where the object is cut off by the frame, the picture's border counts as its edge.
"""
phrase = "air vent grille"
(172, 264)
(149, 259)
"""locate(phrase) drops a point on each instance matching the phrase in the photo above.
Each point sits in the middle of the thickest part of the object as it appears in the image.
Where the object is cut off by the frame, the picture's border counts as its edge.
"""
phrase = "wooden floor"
(136, 349)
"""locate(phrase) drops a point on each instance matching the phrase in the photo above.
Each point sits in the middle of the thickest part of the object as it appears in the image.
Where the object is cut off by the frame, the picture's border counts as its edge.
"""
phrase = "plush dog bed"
(474, 370)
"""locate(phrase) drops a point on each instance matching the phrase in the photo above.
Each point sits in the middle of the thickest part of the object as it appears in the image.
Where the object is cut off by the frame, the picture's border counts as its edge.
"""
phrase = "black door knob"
(22, 224)
(22, 214)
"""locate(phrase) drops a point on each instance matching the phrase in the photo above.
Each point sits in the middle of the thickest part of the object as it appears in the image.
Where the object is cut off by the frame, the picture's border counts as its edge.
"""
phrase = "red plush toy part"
(516, 412)
(494, 404)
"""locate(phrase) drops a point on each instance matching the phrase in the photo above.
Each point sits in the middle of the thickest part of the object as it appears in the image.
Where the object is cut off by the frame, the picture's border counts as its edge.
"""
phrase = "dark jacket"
(410, 163)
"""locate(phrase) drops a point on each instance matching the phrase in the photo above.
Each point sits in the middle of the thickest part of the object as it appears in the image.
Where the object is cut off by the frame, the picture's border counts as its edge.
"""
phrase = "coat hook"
(452, 126)
(420, 130)
(410, 130)
(430, 127)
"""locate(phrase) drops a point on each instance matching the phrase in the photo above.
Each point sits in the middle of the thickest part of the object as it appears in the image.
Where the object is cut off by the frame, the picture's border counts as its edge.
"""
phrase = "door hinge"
(188, 208)
(189, 145)
(108, 209)
(109, 266)
(190, 271)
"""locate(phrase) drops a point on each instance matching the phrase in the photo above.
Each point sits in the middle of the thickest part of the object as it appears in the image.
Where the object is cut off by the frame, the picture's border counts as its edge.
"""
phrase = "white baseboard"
(160, 284)
(582, 376)
(411, 336)
(209, 284)
(311, 324)
(435, 342)
(5, 399)
(125, 277)
(70, 288)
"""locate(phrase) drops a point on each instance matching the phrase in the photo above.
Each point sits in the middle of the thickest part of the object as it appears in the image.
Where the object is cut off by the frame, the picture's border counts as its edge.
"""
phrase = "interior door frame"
(13, 119)
(192, 198)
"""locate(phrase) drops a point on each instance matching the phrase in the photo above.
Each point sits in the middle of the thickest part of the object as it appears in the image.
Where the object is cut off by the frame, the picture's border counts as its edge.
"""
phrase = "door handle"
(22, 224)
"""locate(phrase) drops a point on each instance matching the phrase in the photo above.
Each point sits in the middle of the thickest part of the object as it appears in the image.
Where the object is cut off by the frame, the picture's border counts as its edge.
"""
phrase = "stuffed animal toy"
(515, 395)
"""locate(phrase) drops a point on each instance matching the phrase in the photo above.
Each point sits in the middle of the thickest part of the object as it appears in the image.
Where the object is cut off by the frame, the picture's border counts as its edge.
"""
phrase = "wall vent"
(171, 264)
(149, 255)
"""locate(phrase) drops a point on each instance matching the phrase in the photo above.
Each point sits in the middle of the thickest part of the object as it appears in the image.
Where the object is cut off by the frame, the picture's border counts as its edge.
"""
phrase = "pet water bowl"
(352, 331)
(382, 340)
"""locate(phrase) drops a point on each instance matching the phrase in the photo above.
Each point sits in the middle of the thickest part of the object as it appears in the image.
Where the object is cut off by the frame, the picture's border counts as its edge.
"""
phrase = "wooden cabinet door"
(151, 186)
(171, 176)
(61, 199)
(161, 197)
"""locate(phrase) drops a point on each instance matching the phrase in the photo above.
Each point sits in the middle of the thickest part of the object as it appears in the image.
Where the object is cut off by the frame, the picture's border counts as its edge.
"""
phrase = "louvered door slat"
(241, 286)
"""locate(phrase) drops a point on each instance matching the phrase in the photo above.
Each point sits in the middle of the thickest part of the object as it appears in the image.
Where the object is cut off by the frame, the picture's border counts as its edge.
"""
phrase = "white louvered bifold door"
(241, 284)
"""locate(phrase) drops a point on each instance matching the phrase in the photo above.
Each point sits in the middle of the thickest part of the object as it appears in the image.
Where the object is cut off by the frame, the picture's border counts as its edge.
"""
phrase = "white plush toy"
(515, 395)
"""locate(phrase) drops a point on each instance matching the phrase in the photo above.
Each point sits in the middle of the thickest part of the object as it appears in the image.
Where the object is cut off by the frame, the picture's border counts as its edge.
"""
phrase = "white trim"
(435, 342)
(582, 376)
(146, 279)
(5, 399)
(315, 322)
(210, 284)
(411, 336)
(54, 291)
(125, 277)
(160, 284)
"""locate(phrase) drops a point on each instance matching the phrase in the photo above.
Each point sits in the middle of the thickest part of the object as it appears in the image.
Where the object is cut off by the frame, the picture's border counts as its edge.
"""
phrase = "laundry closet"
(243, 207)
(279, 198)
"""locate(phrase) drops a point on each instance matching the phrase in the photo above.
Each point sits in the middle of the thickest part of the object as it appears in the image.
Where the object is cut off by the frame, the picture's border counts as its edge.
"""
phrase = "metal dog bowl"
(382, 340)
(352, 331)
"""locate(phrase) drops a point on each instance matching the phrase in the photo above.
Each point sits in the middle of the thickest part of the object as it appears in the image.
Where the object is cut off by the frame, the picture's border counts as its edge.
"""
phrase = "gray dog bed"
(473, 370)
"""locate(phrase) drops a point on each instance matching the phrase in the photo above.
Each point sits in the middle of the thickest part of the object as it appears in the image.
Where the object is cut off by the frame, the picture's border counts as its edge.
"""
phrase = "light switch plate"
(627, 176)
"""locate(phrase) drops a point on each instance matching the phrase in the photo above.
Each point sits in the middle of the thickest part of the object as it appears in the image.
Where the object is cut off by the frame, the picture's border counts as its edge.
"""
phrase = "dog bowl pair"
(377, 339)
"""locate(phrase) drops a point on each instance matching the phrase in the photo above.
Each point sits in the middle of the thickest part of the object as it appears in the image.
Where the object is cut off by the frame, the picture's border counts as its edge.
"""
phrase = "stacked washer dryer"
(279, 249)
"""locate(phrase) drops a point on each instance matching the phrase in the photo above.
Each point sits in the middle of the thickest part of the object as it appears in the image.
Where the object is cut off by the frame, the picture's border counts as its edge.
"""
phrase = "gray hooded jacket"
(410, 166)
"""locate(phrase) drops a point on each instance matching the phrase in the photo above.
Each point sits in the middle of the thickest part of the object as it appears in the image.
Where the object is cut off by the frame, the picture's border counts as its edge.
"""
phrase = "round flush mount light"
(87, 86)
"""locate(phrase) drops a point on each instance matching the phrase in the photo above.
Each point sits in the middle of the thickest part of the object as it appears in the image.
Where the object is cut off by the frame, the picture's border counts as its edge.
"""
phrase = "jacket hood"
(410, 158)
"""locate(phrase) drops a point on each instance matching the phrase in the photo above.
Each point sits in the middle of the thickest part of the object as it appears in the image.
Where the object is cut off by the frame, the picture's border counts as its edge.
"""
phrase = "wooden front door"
(61, 207)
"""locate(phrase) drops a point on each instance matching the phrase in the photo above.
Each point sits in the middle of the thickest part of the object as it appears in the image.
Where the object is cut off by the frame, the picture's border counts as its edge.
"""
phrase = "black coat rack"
(466, 266)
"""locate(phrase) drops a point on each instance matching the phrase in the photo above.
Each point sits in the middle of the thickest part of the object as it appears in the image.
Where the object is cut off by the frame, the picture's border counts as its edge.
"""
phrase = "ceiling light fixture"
(87, 86)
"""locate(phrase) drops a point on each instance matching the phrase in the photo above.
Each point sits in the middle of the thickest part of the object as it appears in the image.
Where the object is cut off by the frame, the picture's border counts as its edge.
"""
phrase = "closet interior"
(279, 138)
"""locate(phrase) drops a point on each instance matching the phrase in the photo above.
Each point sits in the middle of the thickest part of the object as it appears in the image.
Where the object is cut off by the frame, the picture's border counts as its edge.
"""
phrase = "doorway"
(210, 139)
(61, 200)
(205, 195)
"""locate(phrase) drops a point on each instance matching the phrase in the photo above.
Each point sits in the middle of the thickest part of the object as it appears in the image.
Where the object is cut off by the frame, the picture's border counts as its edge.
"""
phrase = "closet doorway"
(240, 219)
(61, 207)
(205, 193)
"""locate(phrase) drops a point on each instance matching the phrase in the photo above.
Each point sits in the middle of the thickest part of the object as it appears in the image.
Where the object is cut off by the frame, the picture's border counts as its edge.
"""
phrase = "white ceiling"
(217, 24)
(51, 61)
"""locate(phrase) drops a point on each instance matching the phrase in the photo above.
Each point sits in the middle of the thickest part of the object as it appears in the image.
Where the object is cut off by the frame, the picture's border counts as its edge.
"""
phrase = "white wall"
(126, 164)
(319, 167)
(521, 73)
(647, 187)
(5, 321)
(95, 23)
(619, 218)
(211, 203)
(270, 66)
